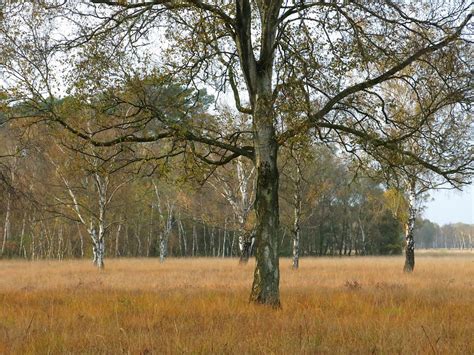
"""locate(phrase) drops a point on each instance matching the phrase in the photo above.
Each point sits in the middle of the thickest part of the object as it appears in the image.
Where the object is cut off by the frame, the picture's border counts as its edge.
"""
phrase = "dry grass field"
(331, 306)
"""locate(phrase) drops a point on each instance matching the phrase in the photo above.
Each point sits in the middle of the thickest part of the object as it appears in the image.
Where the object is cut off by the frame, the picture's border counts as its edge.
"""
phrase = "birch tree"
(8, 208)
(87, 180)
(296, 156)
(165, 208)
(297, 204)
(238, 189)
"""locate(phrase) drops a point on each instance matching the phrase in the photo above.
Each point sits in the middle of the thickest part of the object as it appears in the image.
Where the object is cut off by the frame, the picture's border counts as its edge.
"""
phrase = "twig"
(429, 340)
(27, 330)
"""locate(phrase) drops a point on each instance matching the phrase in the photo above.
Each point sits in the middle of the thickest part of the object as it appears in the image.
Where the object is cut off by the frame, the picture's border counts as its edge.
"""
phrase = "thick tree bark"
(265, 287)
(409, 239)
(258, 78)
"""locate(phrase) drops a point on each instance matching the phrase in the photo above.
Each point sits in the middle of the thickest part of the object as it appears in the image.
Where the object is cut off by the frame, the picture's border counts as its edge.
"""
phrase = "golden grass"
(339, 305)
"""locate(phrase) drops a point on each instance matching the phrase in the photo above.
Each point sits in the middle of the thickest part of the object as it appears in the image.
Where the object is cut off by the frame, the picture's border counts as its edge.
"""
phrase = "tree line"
(52, 207)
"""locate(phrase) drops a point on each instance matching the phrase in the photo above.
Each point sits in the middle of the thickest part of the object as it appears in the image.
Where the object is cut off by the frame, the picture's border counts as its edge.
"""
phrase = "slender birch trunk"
(204, 239)
(224, 237)
(362, 233)
(7, 223)
(22, 234)
(33, 246)
(194, 238)
(212, 243)
(81, 240)
(297, 202)
(246, 244)
(219, 242)
(97, 231)
(183, 236)
(163, 247)
(150, 233)
(165, 224)
(409, 228)
(60, 252)
(137, 237)
(117, 239)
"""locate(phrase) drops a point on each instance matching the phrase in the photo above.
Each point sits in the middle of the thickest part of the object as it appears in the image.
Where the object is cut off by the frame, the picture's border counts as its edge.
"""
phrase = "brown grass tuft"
(139, 306)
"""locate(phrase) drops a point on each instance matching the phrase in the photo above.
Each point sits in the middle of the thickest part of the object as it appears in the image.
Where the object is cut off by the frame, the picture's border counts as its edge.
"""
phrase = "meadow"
(356, 305)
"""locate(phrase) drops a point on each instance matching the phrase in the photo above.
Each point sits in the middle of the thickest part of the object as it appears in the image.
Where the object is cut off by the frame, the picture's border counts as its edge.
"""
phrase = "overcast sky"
(451, 206)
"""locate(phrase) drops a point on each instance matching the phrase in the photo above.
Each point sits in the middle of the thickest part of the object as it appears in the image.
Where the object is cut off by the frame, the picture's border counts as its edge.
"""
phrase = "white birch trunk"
(81, 240)
(241, 199)
(224, 238)
(194, 238)
(362, 233)
(183, 236)
(297, 201)
(166, 224)
(6, 225)
(22, 234)
(409, 228)
(117, 239)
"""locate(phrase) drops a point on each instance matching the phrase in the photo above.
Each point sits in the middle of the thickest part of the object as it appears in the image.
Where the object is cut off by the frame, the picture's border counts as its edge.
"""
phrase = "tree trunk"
(81, 240)
(410, 241)
(182, 237)
(6, 226)
(98, 248)
(362, 233)
(150, 233)
(265, 289)
(297, 215)
(100, 254)
(194, 239)
(163, 246)
(117, 239)
(224, 238)
(22, 234)
(296, 248)
(60, 252)
(33, 245)
(245, 243)
(219, 242)
(212, 242)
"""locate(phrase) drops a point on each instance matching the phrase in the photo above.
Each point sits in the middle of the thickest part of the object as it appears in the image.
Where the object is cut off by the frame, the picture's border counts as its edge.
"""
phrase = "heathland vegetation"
(330, 306)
